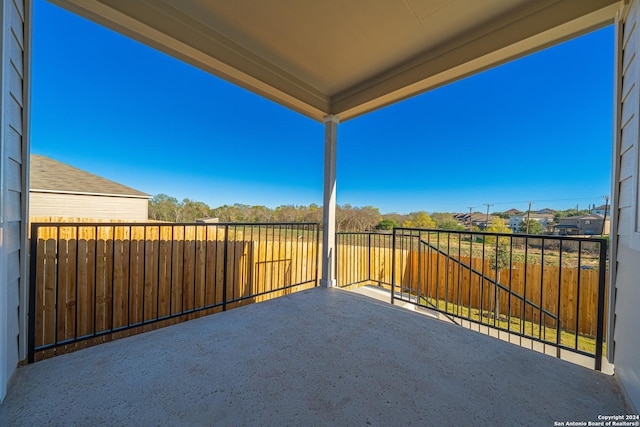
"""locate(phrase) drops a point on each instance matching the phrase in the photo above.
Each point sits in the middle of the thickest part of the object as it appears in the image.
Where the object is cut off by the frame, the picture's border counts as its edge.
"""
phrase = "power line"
(549, 200)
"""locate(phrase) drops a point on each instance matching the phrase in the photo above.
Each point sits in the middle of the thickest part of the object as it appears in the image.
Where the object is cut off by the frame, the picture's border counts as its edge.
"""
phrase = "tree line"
(348, 218)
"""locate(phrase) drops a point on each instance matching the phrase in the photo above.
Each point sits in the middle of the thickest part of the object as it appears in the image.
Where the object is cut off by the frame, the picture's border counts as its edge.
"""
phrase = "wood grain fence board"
(164, 272)
(136, 282)
(219, 272)
(67, 301)
(49, 291)
(177, 271)
(120, 280)
(208, 276)
(86, 281)
(200, 267)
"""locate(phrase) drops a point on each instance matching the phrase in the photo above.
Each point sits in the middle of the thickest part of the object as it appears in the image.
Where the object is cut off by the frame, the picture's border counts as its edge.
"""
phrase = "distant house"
(208, 220)
(512, 211)
(476, 219)
(516, 220)
(600, 210)
(60, 190)
(546, 211)
(592, 224)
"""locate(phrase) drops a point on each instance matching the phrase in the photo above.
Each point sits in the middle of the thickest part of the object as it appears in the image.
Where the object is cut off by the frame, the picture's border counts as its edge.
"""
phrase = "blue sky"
(537, 129)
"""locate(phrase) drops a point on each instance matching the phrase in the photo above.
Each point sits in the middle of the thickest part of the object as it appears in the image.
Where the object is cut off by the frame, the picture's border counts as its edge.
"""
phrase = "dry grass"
(517, 325)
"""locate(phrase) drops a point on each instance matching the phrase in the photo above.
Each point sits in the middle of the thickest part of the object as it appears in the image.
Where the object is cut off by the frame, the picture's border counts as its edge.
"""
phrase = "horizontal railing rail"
(547, 289)
(95, 280)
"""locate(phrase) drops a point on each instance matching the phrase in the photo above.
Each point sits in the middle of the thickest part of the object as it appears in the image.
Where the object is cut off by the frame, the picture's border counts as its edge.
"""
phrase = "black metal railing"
(363, 258)
(93, 280)
(546, 289)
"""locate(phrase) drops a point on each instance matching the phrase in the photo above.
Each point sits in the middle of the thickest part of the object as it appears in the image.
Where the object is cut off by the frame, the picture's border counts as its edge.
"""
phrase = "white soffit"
(346, 57)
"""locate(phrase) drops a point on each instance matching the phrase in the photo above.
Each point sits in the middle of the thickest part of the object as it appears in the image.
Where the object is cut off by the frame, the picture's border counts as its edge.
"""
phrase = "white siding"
(626, 210)
(13, 150)
(85, 206)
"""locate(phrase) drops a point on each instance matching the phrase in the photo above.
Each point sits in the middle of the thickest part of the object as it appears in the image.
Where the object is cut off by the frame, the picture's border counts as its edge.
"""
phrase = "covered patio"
(316, 357)
(324, 356)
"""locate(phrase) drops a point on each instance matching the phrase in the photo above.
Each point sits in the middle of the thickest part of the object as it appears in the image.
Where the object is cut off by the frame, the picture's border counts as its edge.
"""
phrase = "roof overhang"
(81, 193)
(346, 58)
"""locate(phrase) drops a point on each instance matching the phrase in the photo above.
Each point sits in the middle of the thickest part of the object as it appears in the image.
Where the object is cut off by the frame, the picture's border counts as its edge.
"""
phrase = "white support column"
(329, 202)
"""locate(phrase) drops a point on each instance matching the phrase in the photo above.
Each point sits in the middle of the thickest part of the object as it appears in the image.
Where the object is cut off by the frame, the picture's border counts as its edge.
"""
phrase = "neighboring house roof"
(51, 176)
(512, 211)
(532, 216)
(545, 211)
(575, 219)
(602, 207)
(587, 216)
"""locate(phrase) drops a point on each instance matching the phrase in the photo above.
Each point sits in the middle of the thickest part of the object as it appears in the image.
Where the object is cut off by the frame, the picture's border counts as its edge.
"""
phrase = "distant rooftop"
(52, 176)
(533, 215)
(587, 216)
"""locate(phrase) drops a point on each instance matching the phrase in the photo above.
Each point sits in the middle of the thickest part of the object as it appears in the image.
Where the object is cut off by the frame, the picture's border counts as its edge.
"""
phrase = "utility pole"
(488, 206)
(528, 216)
(604, 220)
(470, 209)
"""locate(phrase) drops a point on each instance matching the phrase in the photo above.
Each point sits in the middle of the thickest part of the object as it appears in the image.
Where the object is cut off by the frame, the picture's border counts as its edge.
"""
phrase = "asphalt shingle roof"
(51, 175)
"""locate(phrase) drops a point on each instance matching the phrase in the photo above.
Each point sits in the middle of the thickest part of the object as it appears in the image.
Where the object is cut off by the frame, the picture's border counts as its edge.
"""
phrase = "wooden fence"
(96, 282)
(445, 280)
(90, 281)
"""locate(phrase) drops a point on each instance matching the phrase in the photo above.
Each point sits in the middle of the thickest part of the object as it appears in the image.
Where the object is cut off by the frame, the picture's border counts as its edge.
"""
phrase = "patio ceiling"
(346, 58)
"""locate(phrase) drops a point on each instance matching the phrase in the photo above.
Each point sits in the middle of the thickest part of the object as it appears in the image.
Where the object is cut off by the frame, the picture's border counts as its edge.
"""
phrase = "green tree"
(286, 213)
(261, 214)
(445, 221)
(313, 213)
(350, 218)
(501, 257)
(498, 225)
(534, 227)
(164, 208)
(386, 224)
(396, 217)
(451, 225)
(421, 220)
(439, 217)
(190, 210)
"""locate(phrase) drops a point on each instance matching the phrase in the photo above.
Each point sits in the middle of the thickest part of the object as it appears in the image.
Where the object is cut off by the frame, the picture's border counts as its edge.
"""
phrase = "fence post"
(369, 257)
(317, 226)
(32, 294)
(393, 264)
(224, 269)
(600, 320)
(337, 263)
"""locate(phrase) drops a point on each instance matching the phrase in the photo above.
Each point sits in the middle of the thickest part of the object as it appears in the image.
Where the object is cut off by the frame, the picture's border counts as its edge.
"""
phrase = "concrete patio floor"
(318, 357)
